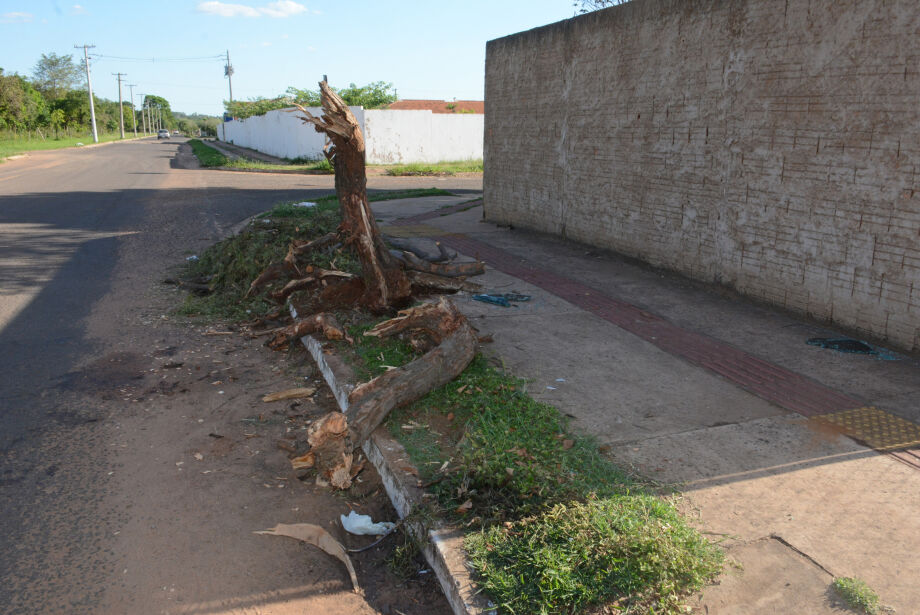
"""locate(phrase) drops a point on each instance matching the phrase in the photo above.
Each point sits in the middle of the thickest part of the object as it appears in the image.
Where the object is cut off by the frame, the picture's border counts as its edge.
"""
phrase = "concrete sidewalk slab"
(751, 469)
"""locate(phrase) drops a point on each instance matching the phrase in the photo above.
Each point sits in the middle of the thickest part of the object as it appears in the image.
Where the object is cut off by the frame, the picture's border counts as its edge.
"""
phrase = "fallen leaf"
(198, 456)
(567, 444)
(304, 461)
(290, 394)
(318, 537)
(510, 471)
(461, 389)
(465, 506)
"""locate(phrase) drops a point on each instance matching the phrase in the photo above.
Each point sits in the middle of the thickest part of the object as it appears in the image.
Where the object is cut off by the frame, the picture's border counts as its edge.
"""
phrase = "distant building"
(439, 106)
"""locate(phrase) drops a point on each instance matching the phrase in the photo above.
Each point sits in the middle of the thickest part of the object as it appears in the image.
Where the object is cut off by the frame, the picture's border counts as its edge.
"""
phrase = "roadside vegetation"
(222, 273)
(12, 143)
(50, 109)
(552, 525)
(371, 96)
(207, 156)
(436, 168)
(857, 594)
(210, 157)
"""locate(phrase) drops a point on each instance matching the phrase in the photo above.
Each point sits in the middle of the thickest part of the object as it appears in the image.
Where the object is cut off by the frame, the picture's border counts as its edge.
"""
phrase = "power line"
(154, 59)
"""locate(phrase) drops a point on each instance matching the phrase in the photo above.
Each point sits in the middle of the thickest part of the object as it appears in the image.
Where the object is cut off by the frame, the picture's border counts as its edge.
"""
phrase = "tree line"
(371, 96)
(53, 101)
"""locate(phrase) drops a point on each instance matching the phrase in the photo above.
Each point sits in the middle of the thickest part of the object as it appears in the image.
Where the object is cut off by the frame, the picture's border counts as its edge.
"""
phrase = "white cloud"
(77, 10)
(227, 10)
(266, 44)
(283, 8)
(16, 17)
(278, 9)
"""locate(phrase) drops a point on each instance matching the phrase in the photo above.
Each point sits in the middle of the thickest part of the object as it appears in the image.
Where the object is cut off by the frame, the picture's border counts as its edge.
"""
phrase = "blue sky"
(426, 49)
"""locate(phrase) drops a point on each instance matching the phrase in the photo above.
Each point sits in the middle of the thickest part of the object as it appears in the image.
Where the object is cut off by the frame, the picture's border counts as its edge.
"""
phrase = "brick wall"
(772, 146)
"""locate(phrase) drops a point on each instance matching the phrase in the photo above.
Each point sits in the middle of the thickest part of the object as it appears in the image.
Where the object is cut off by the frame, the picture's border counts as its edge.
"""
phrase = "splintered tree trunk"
(385, 282)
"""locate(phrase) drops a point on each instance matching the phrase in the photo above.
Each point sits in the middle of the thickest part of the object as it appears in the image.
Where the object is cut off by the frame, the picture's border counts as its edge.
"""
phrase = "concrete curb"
(443, 545)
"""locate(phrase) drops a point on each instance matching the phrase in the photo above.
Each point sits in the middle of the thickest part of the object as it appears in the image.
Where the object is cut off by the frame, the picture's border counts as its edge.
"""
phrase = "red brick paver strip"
(776, 384)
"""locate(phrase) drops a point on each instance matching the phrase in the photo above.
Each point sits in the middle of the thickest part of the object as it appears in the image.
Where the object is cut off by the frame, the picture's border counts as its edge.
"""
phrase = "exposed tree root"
(324, 323)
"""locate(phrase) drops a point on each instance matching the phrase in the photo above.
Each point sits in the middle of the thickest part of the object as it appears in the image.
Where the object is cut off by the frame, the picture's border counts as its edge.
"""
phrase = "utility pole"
(121, 110)
(89, 89)
(131, 87)
(228, 73)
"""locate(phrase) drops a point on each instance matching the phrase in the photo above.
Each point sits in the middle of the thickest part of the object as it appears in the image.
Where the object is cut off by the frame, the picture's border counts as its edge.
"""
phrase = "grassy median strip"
(11, 146)
(435, 168)
(210, 157)
(229, 266)
(207, 155)
(553, 526)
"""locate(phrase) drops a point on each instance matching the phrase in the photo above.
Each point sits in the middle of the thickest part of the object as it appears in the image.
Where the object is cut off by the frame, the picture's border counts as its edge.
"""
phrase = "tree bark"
(456, 345)
(385, 283)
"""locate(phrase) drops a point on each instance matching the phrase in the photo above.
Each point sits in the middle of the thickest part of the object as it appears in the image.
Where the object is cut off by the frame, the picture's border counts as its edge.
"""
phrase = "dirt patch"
(213, 459)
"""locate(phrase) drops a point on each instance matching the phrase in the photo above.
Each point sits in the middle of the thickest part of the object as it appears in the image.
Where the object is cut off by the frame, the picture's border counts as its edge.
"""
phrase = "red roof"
(440, 106)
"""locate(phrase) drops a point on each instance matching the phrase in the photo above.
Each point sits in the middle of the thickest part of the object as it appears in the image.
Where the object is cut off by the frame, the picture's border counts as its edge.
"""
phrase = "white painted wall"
(280, 133)
(422, 136)
(390, 136)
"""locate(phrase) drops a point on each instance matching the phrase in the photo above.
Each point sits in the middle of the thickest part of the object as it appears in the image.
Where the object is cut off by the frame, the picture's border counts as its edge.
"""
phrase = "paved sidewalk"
(694, 386)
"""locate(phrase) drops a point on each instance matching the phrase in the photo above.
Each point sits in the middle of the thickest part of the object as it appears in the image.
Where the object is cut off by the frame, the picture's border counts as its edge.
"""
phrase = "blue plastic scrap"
(503, 299)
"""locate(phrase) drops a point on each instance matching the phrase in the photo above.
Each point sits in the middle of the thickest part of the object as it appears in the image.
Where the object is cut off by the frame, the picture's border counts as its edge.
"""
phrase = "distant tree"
(56, 120)
(586, 6)
(158, 102)
(56, 75)
(21, 105)
(371, 96)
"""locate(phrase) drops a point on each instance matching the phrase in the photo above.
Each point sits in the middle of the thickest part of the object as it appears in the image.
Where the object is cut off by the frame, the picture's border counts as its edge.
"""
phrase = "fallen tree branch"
(371, 402)
(326, 323)
(441, 283)
(449, 270)
(316, 274)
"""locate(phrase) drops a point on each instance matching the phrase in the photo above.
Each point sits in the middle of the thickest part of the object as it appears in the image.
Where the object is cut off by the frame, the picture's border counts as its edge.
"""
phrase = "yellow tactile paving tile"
(877, 428)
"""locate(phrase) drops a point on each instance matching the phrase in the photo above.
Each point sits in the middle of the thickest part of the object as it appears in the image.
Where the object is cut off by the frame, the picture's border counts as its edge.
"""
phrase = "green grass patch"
(857, 594)
(437, 168)
(229, 266)
(633, 551)
(11, 146)
(321, 166)
(555, 526)
(207, 155)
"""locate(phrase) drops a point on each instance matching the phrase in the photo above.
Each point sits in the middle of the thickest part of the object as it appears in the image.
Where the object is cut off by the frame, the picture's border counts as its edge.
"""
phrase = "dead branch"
(437, 282)
(316, 274)
(371, 402)
(325, 323)
(448, 270)
(269, 274)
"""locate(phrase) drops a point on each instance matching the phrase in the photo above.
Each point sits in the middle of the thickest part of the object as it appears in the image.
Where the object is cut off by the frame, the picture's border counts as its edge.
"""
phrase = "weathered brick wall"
(769, 145)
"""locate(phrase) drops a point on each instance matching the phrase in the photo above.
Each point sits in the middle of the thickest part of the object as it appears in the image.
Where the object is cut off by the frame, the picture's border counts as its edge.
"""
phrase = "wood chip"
(290, 394)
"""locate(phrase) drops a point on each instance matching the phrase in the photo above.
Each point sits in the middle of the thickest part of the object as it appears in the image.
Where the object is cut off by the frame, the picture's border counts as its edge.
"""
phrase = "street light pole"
(89, 89)
(121, 110)
(228, 72)
(131, 87)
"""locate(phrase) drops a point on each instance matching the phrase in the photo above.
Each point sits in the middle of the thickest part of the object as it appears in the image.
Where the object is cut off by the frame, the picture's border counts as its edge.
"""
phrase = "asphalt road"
(85, 236)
